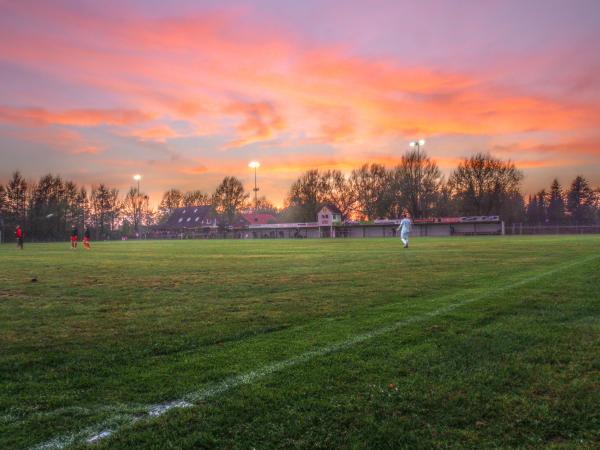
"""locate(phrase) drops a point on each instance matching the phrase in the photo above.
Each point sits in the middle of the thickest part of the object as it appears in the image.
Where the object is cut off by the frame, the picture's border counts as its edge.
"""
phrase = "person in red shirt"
(19, 236)
(74, 236)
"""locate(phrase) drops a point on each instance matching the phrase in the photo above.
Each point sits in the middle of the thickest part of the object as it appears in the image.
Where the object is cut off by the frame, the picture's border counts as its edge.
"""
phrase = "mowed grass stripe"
(94, 435)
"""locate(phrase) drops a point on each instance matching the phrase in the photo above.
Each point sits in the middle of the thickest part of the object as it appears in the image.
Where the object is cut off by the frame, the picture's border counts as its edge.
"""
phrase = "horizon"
(188, 93)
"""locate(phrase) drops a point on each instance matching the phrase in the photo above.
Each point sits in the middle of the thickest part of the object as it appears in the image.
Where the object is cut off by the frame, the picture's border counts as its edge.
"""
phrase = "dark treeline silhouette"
(47, 209)
(480, 185)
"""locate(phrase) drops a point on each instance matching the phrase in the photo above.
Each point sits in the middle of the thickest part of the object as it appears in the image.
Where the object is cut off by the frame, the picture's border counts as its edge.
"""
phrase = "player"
(86, 239)
(404, 228)
(19, 236)
(74, 236)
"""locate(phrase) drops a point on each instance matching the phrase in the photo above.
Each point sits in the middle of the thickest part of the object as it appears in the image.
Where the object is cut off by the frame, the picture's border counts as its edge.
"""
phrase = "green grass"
(496, 343)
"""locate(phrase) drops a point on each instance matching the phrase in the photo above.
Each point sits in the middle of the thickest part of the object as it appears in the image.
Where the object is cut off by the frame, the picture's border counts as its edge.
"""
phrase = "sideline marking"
(115, 423)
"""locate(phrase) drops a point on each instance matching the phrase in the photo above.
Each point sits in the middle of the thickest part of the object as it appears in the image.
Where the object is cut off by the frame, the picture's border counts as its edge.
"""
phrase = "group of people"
(19, 235)
(75, 238)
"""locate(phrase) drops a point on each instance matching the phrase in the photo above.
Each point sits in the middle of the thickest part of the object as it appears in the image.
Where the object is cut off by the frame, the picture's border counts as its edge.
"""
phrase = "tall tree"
(171, 200)
(513, 209)
(417, 182)
(104, 210)
(49, 208)
(305, 196)
(16, 200)
(482, 183)
(136, 208)
(2, 198)
(556, 204)
(533, 210)
(196, 198)
(230, 198)
(265, 206)
(580, 202)
(543, 201)
(370, 185)
(336, 189)
(444, 205)
(3, 228)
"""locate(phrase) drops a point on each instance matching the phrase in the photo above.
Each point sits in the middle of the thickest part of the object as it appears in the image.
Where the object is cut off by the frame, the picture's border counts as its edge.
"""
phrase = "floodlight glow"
(137, 177)
(421, 142)
(412, 144)
(254, 164)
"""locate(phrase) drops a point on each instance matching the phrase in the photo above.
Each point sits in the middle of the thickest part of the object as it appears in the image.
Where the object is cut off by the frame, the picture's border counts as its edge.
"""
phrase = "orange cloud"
(159, 133)
(260, 122)
(62, 140)
(75, 117)
(194, 170)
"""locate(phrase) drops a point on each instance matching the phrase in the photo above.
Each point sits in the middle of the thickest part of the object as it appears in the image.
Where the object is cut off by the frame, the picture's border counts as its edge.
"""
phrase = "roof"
(259, 219)
(190, 217)
(331, 207)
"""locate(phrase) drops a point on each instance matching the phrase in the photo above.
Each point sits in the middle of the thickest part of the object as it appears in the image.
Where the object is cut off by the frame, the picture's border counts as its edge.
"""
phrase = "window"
(196, 210)
(180, 220)
(188, 219)
(183, 212)
(197, 219)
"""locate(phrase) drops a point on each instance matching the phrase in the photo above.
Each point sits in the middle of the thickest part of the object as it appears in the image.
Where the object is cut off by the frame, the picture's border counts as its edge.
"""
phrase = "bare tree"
(135, 208)
(265, 206)
(416, 184)
(104, 209)
(196, 198)
(16, 199)
(337, 190)
(305, 196)
(482, 183)
(172, 199)
(370, 185)
(230, 198)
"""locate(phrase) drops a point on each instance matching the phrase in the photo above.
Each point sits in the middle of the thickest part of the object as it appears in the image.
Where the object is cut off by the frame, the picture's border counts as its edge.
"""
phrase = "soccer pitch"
(454, 342)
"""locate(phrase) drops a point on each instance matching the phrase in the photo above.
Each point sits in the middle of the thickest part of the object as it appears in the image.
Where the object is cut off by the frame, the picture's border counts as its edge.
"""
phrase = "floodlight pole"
(417, 145)
(255, 191)
(137, 204)
(255, 165)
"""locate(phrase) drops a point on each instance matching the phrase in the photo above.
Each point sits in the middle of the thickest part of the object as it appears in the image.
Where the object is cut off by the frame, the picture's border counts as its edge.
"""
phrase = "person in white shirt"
(404, 229)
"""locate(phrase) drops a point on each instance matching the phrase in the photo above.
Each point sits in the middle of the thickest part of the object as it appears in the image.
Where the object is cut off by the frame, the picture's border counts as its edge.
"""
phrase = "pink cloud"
(75, 117)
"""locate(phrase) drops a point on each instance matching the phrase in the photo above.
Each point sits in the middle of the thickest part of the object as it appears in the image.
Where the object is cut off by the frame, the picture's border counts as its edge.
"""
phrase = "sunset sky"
(186, 92)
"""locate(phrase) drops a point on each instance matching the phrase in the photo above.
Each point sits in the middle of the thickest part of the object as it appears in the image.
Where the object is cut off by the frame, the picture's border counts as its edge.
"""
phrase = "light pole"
(137, 205)
(137, 177)
(417, 145)
(255, 165)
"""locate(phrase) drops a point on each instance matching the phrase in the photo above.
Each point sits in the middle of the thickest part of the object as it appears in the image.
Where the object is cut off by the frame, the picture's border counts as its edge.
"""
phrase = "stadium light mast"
(137, 214)
(137, 177)
(417, 145)
(255, 165)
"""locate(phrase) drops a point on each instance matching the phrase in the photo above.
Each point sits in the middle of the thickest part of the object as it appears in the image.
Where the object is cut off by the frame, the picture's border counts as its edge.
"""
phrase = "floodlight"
(137, 177)
(254, 164)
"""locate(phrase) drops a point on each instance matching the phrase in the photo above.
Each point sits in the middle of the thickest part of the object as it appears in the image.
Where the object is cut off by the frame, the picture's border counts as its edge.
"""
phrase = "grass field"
(453, 343)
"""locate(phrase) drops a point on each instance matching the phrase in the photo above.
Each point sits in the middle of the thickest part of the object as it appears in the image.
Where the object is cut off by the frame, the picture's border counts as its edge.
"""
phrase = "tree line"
(480, 185)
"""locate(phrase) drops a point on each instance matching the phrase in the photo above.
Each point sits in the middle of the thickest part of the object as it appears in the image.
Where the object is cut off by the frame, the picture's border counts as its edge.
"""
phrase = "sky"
(187, 92)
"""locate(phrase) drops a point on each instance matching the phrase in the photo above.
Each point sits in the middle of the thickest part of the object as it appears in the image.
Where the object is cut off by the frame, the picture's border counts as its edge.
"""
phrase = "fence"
(519, 228)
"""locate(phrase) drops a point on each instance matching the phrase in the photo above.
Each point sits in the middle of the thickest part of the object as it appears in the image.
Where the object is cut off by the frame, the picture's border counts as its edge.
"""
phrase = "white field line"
(113, 424)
